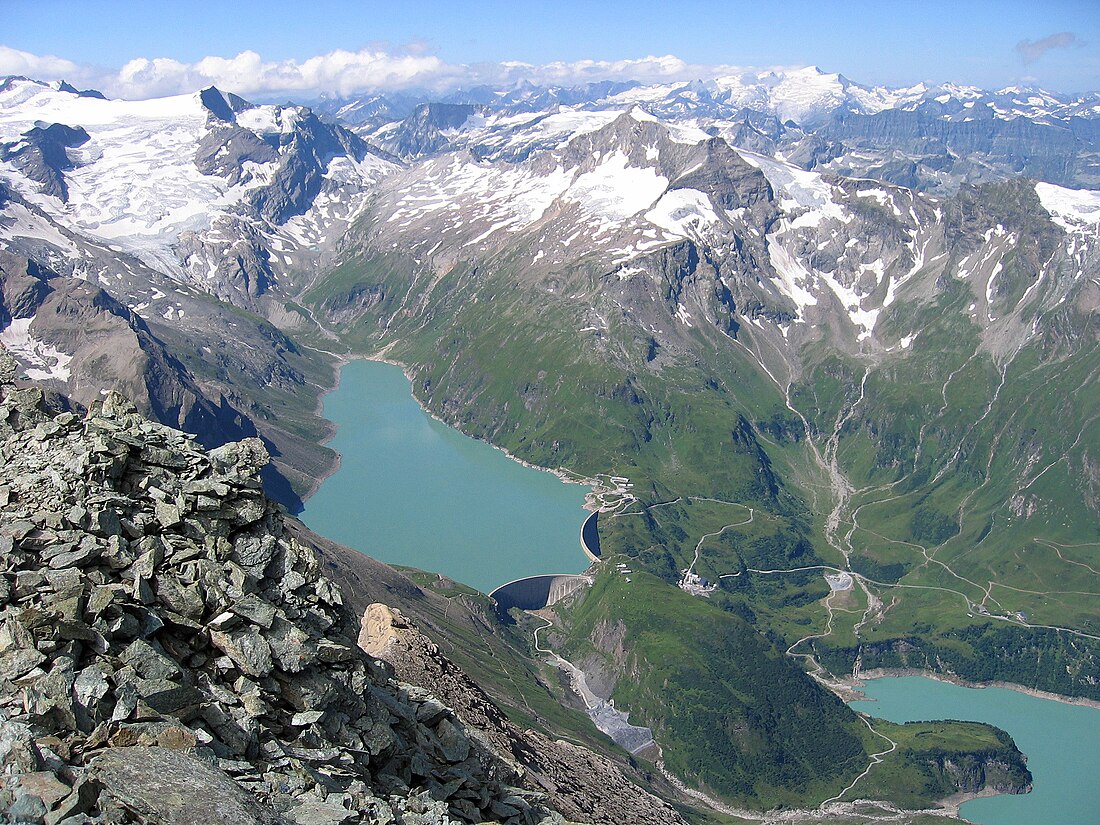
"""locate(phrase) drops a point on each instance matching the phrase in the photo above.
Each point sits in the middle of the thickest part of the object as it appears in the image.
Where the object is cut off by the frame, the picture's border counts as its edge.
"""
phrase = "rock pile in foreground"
(170, 653)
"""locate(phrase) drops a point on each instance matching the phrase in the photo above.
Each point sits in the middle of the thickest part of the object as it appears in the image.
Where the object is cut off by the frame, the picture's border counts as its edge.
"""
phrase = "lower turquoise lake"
(413, 491)
(1061, 742)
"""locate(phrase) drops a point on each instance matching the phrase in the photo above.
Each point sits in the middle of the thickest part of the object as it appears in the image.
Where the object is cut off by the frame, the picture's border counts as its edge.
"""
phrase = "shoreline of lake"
(1059, 739)
(567, 476)
(853, 683)
(330, 427)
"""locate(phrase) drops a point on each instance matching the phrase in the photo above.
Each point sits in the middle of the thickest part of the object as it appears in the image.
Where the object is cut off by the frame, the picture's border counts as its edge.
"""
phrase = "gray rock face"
(966, 148)
(306, 152)
(422, 132)
(222, 106)
(170, 653)
(242, 265)
(172, 787)
(111, 345)
(64, 86)
(23, 287)
(224, 152)
(41, 156)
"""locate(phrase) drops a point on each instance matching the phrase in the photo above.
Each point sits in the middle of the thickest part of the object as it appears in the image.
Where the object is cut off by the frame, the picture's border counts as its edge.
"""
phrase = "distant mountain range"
(921, 136)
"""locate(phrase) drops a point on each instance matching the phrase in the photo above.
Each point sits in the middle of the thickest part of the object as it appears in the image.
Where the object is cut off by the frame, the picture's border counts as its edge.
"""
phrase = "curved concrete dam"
(536, 592)
(590, 536)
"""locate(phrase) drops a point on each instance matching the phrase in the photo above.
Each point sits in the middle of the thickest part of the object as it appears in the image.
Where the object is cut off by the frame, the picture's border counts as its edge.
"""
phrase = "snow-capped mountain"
(235, 200)
(126, 224)
(205, 188)
(932, 138)
(795, 253)
(651, 209)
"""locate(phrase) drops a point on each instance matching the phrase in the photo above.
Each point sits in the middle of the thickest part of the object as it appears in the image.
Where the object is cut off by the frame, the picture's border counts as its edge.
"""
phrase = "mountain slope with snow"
(179, 182)
(927, 137)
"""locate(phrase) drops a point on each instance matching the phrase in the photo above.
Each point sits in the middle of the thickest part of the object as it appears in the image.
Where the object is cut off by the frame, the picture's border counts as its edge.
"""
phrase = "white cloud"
(649, 69)
(342, 72)
(1030, 51)
(248, 73)
(16, 62)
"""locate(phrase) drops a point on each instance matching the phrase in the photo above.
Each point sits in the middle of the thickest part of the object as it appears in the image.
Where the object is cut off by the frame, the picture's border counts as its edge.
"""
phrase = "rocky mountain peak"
(64, 86)
(41, 155)
(425, 131)
(222, 105)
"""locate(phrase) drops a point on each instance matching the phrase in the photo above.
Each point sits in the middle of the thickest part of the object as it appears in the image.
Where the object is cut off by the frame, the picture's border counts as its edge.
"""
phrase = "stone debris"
(579, 783)
(170, 653)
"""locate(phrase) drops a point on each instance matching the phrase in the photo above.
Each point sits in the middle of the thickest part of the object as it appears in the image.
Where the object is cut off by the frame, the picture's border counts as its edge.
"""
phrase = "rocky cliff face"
(974, 773)
(80, 338)
(948, 151)
(185, 360)
(579, 783)
(41, 155)
(424, 132)
(170, 653)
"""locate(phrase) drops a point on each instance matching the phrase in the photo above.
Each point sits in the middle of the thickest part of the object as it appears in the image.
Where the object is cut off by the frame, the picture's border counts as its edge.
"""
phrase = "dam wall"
(590, 536)
(536, 592)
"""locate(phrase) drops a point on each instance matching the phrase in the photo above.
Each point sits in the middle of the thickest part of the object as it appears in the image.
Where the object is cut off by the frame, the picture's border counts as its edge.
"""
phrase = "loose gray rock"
(180, 656)
(174, 788)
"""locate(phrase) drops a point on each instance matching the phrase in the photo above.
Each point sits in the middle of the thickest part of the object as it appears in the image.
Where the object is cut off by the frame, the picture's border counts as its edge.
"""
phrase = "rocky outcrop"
(41, 155)
(170, 653)
(234, 263)
(64, 86)
(305, 152)
(221, 105)
(579, 783)
(423, 132)
(974, 773)
(224, 151)
(105, 345)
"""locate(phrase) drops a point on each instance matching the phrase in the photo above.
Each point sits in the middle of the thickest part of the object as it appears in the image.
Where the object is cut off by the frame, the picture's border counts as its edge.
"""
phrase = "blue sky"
(349, 46)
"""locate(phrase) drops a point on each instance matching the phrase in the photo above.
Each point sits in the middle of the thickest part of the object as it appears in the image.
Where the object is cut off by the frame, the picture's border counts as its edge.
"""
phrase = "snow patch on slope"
(794, 278)
(798, 189)
(505, 196)
(1075, 210)
(47, 361)
(682, 210)
(616, 190)
(136, 184)
(19, 222)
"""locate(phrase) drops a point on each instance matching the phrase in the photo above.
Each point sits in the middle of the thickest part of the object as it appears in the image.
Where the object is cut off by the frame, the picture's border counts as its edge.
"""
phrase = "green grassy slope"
(733, 714)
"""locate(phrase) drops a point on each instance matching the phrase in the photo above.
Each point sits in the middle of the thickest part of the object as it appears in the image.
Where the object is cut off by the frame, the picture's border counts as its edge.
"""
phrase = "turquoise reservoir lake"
(415, 492)
(1061, 741)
